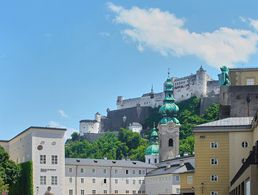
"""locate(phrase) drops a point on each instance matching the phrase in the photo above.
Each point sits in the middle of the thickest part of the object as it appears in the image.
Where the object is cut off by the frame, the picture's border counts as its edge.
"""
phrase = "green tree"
(187, 145)
(9, 171)
(3, 187)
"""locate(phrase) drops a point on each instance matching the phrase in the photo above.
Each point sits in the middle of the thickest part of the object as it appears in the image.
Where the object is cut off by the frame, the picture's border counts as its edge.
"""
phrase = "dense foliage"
(131, 145)
(24, 184)
(9, 171)
(126, 145)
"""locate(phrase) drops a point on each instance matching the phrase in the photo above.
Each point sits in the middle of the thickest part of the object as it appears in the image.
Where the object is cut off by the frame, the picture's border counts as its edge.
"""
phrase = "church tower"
(152, 151)
(168, 125)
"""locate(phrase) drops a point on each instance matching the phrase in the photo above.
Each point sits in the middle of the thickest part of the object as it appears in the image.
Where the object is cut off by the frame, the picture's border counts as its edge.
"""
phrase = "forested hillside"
(131, 145)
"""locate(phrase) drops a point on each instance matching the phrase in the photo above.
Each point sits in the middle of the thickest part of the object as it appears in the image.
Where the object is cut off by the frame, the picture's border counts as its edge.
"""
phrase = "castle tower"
(152, 151)
(201, 79)
(168, 125)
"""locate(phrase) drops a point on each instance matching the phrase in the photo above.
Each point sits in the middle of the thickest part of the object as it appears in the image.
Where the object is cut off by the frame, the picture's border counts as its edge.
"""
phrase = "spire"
(152, 91)
(168, 73)
(169, 109)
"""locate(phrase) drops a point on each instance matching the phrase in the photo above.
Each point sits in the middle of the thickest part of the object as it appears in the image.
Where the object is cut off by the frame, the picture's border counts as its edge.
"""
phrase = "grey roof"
(172, 169)
(227, 123)
(107, 163)
(88, 121)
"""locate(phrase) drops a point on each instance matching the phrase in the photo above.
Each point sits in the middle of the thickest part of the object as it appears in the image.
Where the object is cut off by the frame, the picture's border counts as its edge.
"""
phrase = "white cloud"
(165, 33)
(68, 132)
(62, 113)
(254, 23)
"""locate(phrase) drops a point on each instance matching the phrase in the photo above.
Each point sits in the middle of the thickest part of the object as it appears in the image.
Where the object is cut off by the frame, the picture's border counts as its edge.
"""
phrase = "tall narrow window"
(43, 180)
(54, 159)
(170, 143)
(42, 159)
(54, 180)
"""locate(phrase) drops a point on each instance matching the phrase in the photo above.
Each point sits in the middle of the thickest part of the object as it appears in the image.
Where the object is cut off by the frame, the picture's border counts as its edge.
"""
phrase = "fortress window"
(170, 143)
(244, 144)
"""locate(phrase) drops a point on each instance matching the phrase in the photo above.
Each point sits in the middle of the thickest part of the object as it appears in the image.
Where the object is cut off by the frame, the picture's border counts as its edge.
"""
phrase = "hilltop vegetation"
(131, 145)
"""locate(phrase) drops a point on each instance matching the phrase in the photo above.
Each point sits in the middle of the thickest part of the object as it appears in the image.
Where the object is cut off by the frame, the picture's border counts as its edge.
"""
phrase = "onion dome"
(169, 109)
(153, 147)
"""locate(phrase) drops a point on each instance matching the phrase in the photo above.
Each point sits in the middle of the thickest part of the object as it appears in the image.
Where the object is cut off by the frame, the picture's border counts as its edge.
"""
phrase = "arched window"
(149, 161)
(170, 143)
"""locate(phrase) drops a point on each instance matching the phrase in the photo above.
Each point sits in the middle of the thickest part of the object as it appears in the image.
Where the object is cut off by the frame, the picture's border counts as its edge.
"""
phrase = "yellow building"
(187, 182)
(220, 149)
(243, 76)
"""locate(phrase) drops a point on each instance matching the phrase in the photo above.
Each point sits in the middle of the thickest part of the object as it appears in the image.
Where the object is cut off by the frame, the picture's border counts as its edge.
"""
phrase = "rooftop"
(35, 127)
(107, 163)
(227, 123)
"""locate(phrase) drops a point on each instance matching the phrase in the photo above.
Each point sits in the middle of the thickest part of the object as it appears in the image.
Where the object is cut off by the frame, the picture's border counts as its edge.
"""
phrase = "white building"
(100, 176)
(199, 84)
(45, 148)
(91, 126)
(166, 178)
(135, 127)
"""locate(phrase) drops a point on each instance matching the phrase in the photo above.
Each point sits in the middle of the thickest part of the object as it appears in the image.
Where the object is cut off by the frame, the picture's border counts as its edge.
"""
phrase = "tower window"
(170, 143)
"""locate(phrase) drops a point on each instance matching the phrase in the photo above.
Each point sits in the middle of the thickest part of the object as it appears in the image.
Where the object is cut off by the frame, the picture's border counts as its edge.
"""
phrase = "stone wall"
(238, 101)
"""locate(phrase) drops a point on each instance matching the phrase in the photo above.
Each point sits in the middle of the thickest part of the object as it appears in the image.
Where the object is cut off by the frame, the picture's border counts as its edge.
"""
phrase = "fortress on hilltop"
(131, 113)
(199, 84)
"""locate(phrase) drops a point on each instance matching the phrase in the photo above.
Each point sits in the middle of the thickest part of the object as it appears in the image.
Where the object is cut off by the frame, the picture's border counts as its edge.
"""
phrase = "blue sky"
(63, 61)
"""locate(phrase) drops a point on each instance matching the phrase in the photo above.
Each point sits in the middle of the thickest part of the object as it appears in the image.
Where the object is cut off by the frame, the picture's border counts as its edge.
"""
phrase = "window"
(116, 181)
(149, 161)
(170, 142)
(93, 180)
(82, 192)
(139, 191)
(134, 170)
(214, 145)
(214, 193)
(134, 191)
(214, 178)
(116, 191)
(214, 161)
(116, 171)
(105, 191)
(250, 81)
(245, 144)
(177, 178)
(53, 180)
(93, 191)
(70, 180)
(126, 171)
(189, 179)
(127, 181)
(82, 180)
(155, 160)
(54, 159)
(93, 170)
(127, 191)
(70, 170)
(177, 190)
(70, 192)
(140, 171)
(43, 159)
(105, 180)
(134, 181)
(140, 181)
(105, 171)
(82, 170)
(143, 181)
(43, 180)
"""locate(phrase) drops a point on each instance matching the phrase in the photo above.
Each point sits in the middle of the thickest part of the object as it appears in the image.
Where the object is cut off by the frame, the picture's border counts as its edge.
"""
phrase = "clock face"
(171, 125)
(40, 147)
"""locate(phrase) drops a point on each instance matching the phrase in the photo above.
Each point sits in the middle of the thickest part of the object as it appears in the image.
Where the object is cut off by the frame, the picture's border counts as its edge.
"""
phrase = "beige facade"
(204, 169)
(187, 182)
(243, 76)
